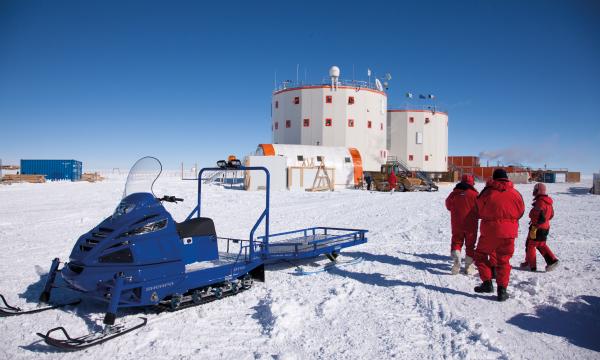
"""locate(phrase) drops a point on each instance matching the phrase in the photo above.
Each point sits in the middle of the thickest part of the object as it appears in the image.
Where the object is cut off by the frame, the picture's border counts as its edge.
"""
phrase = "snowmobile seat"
(196, 227)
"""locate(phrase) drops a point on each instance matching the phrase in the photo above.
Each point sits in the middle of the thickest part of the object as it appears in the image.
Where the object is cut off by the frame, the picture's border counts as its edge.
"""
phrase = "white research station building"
(346, 124)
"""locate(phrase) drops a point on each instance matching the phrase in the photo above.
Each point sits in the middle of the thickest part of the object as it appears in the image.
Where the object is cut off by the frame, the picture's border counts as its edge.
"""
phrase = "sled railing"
(264, 216)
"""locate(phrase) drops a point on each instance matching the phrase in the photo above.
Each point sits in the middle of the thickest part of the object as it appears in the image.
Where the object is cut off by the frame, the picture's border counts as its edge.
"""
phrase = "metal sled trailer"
(310, 242)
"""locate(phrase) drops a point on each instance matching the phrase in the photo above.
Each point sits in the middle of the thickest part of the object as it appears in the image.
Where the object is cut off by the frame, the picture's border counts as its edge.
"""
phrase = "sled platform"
(310, 242)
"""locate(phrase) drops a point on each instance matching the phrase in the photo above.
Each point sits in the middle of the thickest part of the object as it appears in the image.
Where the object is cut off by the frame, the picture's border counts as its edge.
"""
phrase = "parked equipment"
(141, 257)
(406, 180)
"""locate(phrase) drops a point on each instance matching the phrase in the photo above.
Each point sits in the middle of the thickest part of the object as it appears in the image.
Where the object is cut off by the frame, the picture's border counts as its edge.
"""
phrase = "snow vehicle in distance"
(407, 180)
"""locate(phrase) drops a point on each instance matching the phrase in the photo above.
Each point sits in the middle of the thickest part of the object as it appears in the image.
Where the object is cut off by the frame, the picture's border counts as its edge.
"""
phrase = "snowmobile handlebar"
(168, 198)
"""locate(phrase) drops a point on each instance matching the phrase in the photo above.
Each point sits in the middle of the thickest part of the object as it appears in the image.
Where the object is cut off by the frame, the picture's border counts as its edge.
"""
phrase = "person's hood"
(464, 186)
(545, 198)
(500, 184)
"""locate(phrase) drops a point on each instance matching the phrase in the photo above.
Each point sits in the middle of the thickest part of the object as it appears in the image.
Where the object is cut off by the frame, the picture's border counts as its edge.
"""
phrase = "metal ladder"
(212, 176)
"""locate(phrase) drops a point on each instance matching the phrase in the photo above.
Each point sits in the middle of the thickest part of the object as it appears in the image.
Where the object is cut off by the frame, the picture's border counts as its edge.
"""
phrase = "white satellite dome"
(334, 71)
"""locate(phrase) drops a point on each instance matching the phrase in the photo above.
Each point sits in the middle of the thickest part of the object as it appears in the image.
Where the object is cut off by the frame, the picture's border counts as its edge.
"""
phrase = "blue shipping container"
(549, 177)
(53, 169)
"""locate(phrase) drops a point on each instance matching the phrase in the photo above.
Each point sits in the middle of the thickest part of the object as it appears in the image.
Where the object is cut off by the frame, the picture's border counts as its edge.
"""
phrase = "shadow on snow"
(578, 322)
(439, 268)
(576, 191)
(378, 279)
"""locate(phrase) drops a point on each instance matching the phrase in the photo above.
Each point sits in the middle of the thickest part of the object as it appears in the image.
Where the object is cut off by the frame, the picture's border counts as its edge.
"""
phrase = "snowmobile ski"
(176, 303)
(8, 310)
(300, 270)
(89, 340)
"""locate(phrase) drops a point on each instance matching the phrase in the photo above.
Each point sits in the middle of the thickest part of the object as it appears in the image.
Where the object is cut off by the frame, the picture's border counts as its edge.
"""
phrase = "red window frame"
(411, 120)
(426, 157)
(426, 120)
(296, 100)
(288, 124)
(350, 122)
(410, 158)
(328, 99)
(306, 122)
(369, 124)
(276, 125)
(328, 122)
(350, 100)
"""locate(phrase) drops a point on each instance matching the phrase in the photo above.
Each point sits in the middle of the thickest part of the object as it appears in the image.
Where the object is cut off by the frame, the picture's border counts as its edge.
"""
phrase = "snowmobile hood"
(130, 207)
(137, 217)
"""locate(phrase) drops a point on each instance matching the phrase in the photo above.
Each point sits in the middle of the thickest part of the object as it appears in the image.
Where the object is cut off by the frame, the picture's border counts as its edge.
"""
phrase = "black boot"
(485, 287)
(552, 264)
(502, 294)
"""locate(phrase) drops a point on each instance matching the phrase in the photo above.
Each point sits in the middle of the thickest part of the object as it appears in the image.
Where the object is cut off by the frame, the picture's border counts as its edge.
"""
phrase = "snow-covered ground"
(401, 301)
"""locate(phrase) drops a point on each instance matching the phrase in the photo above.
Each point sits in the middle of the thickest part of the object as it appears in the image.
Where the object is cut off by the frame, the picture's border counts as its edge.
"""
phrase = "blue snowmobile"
(140, 256)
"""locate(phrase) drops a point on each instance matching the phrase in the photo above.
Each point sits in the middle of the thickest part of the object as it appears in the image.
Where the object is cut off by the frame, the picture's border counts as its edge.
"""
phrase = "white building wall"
(431, 154)
(337, 157)
(369, 105)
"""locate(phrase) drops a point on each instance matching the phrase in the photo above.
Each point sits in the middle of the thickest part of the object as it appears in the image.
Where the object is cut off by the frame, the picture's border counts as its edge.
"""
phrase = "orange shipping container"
(463, 161)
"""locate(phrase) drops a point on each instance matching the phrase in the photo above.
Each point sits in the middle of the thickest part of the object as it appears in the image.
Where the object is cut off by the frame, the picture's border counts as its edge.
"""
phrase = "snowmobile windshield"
(142, 176)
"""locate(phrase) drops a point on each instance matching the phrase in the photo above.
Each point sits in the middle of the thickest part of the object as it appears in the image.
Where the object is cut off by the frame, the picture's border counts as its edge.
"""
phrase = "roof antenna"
(334, 73)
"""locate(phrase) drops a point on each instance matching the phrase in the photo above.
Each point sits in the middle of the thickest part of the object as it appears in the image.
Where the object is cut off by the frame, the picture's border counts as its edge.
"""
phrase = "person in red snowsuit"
(463, 218)
(499, 206)
(541, 214)
(392, 181)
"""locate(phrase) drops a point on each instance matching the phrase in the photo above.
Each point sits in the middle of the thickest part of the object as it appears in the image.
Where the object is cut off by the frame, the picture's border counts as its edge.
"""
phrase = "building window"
(276, 125)
(369, 124)
(288, 124)
(328, 122)
(411, 120)
(347, 160)
(319, 158)
(300, 158)
(426, 157)
(350, 100)
(426, 120)
(276, 104)
(328, 99)
(380, 126)
(350, 122)
(297, 100)
(410, 158)
(306, 122)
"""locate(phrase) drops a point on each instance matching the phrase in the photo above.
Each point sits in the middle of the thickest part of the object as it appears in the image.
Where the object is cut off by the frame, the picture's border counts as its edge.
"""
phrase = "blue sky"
(106, 82)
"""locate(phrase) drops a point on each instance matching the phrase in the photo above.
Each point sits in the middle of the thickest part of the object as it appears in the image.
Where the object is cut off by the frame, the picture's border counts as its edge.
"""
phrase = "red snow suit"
(463, 215)
(499, 206)
(392, 181)
(541, 213)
